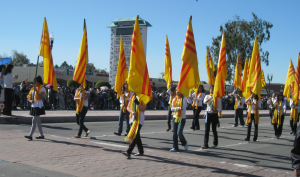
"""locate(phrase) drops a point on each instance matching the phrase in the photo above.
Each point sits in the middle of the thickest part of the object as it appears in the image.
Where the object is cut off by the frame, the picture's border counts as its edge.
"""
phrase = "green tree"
(239, 37)
(56, 66)
(90, 65)
(102, 83)
(73, 83)
(64, 64)
(18, 59)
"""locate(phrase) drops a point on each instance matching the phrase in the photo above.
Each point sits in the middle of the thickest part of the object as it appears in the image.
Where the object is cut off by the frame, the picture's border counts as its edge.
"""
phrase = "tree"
(18, 59)
(64, 64)
(102, 83)
(73, 83)
(239, 37)
(56, 66)
(162, 74)
(90, 65)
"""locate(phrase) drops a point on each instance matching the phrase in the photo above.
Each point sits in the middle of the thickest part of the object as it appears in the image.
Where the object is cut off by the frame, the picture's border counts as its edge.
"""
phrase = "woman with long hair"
(81, 97)
(197, 106)
(35, 97)
(254, 104)
(124, 100)
(179, 105)
(9, 79)
(278, 115)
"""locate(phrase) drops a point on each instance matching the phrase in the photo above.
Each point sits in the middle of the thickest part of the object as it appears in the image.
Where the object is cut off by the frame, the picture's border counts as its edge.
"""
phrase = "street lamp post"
(51, 40)
(270, 77)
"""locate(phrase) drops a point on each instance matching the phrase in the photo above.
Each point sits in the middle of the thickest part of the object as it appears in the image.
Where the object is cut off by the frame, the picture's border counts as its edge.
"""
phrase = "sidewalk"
(64, 116)
(90, 158)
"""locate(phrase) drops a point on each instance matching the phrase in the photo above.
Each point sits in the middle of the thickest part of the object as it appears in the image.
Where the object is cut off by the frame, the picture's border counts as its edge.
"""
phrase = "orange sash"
(36, 98)
(79, 103)
(256, 113)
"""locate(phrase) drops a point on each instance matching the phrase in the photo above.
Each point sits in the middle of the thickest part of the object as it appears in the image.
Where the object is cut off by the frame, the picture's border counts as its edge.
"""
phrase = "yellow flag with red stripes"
(290, 78)
(210, 68)
(238, 72)
(263, 81)
(189, 75)
(245, 74)
(296, 85)
(122, 73)
(83, 59)
(45, 52)
(168, 64)
(254, 81)
(138, 77)
(246, 91)
(219, 88)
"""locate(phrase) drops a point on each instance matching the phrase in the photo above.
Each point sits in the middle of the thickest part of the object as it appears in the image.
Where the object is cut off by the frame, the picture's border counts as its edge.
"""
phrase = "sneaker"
(186, 147)
(40, 137)
(214, 146)
(28, 137)
(117, 133)
(234, 126)
(138, 154)
(246, 139)
(242, 126)
(126, 154)
(173, 150)
(204, 147)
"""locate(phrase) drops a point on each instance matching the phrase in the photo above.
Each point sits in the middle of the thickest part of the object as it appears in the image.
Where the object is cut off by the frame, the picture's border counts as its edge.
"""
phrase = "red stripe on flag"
(132, 49)
(167, 54)
(184, 76)
(190, 33)
(123, 68)
(80, 63)
(190, 40)
(145, 80)
(189, 47)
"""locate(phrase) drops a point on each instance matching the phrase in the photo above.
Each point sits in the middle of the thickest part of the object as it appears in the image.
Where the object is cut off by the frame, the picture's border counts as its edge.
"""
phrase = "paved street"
(99, 154)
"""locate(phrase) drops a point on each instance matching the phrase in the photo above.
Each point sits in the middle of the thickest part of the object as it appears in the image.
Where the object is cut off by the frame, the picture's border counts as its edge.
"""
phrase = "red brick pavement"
(81, 157)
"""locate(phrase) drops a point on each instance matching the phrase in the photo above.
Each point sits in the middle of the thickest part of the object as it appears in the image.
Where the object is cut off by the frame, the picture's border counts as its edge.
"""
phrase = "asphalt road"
(266, 152)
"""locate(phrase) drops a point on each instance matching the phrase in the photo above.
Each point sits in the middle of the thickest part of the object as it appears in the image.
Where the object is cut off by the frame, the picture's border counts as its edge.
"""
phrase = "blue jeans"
(121, 119)
(177, 131)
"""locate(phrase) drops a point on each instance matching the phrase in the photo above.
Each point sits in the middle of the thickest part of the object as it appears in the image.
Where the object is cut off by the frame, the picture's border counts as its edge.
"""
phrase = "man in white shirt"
(271, 102)
(238, 107)
(211, 118)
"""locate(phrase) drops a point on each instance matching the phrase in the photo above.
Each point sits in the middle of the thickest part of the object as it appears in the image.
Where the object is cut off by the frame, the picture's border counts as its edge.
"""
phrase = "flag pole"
(37, 64)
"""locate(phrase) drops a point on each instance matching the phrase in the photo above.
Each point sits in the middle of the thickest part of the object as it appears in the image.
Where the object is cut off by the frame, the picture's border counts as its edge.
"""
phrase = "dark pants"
(278, 130)
(293, 126)
(8, 101)
(271, 113)
(80, 120)
(239, 115)
(255, 129)
(213, 120)
(137, 141)
(169, 117)
(195, 123)
(121, 120)
(177, 132)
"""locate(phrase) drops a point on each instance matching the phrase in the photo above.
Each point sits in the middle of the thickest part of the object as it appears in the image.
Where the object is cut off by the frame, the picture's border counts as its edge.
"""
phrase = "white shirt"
(86, 102)
(40, 102)
(242, 101)
(292, 103)
(142, 118)
(210, 103)
(273, 101)
(128, 98)
(283, 106)
(253, 107)
(9, 80)
(199, 100)
(186, 101)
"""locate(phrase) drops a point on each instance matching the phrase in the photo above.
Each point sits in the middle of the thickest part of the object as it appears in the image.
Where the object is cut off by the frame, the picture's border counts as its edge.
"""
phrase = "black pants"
(169, 117)
(80, 120)
(137, 141)
(8, 101)
(211, 119)
(239, 115)
(271, 113)
(195, 123)
(255, 129)
(278, 129)
(293, 126)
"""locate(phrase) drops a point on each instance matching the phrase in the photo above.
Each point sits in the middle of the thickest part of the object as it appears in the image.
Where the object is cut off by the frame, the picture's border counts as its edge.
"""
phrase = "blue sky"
(22, 21)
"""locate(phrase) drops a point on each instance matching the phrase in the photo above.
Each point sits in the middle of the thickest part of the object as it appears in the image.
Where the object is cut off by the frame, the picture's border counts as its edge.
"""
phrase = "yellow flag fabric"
(263, 81)
(83, 59)
(189, 75)
(296, 85)
(245, 77)
(122, 74)
(138, 77)
(45, 52)
(210, 68)
(168, 64)
(290, 78)
(254, 79)
(238, 73)
(219, 87)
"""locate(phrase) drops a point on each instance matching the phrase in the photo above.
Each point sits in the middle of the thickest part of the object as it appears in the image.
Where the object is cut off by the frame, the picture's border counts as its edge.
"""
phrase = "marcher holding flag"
(82, 94)
(121, 87)
(279, 113)
(198, 98)
(138, 83)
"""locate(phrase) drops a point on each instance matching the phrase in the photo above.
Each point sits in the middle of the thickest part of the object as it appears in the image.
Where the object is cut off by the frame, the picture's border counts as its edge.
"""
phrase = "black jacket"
(295, 152)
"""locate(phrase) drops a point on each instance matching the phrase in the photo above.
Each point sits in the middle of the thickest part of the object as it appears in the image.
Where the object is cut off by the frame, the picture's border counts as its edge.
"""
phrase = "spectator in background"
(104, 100)
(23, 88)
(2, 70)
(16, 96)
(9, 79)
(61, 101)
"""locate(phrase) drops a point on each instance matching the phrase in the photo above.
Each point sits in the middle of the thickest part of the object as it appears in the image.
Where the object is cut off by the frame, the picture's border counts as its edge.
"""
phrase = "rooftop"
(118, 22)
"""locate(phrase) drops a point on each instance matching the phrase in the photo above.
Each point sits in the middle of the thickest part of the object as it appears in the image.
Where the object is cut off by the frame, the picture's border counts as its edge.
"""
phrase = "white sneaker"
(173, 150)
(234, 126)
(186, 147)
(242, 125)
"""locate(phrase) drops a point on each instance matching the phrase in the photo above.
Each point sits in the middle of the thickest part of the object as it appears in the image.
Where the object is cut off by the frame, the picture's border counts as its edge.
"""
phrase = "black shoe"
(246, 139)
(40, 137)
(204, 147)
(192, 128)
(197, 128)
(214, 146)
(138, 154)
(28, 137)
(126, 154)
(254, 140)
(125, 134)
(117, 133)
(168, 130)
